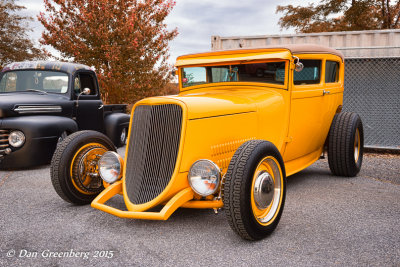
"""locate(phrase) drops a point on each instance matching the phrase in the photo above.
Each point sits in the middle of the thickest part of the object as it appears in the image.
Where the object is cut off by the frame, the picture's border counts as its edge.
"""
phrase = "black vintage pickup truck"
(42, 102)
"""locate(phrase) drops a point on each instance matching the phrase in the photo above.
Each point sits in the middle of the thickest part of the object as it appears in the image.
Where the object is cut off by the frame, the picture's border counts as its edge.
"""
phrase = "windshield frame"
(67, 93)
(283, 86)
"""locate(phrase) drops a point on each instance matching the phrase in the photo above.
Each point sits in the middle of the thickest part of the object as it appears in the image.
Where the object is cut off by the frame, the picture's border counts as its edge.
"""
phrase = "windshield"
(34, 80)
(271, 72)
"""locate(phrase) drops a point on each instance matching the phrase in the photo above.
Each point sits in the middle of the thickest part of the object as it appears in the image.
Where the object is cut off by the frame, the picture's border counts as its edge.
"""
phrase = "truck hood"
(219, 102)
(10, 102)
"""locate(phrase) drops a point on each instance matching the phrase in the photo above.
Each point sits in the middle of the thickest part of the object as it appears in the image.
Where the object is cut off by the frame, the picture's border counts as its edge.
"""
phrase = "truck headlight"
(204, 176)
(16, 138)
(110, 166)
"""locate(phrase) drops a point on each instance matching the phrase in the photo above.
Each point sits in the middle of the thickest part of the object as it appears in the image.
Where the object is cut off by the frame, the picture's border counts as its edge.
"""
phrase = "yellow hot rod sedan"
(242, 122)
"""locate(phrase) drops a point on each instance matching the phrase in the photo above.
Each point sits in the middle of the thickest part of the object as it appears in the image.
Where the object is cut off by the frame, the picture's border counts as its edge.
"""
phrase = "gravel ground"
(327, 221)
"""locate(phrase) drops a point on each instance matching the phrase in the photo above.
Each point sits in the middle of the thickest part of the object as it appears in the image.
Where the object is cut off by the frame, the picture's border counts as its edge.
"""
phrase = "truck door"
(312, 110)
(88, 108)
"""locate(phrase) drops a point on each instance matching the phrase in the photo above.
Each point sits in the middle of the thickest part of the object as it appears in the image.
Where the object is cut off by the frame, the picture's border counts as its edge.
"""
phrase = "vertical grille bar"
(153, 150)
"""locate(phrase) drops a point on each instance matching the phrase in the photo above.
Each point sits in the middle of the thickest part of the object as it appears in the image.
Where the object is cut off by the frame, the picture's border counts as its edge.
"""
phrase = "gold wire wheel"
(84, 168)
(266, 190)
(357, 146)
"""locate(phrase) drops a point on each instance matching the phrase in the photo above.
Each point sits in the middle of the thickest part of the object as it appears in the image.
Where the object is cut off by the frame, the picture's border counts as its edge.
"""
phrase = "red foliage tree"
(126, 41)
(15, 45)
(341, 15)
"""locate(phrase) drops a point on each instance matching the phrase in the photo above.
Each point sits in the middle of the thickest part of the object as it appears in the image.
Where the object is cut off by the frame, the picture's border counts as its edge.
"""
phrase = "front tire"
(254, 189)
(74, 171)
(346, 144)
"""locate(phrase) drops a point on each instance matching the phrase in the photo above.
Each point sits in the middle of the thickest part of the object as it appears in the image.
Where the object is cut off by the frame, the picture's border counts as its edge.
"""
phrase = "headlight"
(110, 167)
(16, 138)
(204, 176)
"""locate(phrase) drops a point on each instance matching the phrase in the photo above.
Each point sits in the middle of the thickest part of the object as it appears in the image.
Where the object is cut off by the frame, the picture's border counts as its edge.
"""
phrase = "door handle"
(101, 106)
(326, 92)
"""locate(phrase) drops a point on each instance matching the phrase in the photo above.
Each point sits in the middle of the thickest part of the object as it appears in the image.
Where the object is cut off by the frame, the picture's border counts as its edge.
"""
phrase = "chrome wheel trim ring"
(277, 191)
(357, 145)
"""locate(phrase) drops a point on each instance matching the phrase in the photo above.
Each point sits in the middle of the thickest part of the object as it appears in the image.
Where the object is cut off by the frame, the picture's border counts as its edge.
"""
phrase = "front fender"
(41, 133)
(40, 126)
(114, 123)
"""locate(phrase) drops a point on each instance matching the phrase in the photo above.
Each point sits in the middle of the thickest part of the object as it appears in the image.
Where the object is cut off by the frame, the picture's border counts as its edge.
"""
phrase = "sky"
(198, 20)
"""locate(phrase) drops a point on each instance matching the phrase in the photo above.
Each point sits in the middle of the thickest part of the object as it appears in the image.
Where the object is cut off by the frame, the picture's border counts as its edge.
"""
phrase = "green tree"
(126, 41)
(15, 44)
(341, 15)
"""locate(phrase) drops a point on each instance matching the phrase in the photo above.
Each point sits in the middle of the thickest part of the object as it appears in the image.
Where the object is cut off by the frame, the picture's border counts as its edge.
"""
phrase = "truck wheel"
(123, 137)
(254, 189)
(73, 170)
(345, 144)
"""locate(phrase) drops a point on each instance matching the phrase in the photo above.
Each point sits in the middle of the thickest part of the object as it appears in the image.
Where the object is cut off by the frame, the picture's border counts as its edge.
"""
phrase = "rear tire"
(254, 189)
(346, 144)
(73, 165)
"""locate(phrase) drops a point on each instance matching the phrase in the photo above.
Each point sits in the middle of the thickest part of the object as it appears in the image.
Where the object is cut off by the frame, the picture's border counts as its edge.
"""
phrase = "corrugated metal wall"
(372, 75)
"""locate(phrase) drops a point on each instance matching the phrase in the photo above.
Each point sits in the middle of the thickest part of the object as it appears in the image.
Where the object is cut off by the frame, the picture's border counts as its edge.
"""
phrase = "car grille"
(153, 150)
(3, 142)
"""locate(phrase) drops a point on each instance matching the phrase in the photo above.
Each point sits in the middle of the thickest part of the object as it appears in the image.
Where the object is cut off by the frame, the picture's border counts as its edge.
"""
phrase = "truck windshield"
(271, 72)
(34, 81)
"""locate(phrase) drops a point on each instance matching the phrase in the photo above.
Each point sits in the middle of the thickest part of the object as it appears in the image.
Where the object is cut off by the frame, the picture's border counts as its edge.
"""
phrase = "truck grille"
(3, 142)
(153, 150)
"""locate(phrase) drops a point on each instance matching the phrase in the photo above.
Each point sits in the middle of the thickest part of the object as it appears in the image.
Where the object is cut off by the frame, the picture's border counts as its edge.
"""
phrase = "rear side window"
(331, 72)
(311, 73)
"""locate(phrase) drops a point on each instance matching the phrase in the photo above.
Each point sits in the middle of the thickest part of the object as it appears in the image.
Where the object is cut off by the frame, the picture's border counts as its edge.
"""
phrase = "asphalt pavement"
(326, 221)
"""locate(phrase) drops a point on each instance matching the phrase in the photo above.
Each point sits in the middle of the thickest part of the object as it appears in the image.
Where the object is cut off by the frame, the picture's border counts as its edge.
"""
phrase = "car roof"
(46, 65)
(274, 51)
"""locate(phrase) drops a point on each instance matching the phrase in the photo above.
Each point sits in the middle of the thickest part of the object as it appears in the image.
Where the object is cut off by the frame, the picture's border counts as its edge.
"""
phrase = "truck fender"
(114, 124)
(41, 126)
(42, 134)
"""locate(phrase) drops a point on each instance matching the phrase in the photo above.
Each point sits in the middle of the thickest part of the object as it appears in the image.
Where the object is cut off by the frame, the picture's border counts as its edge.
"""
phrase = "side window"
(82, 81)
(311, 73)
(8, 82)
(331, 72)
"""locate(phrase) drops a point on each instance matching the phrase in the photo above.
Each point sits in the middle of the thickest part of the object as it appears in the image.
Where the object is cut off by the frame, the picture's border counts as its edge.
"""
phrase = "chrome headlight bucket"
(110, 166)
(204, 177)
(16, 138)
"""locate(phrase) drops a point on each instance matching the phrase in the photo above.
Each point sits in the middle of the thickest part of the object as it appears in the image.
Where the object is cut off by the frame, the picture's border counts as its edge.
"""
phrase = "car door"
(311, 111)
(89, 110)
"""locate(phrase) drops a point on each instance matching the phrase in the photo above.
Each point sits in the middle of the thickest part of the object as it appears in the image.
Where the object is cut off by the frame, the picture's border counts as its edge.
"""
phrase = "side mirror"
(298, 65)
(173, 72)
(86, 91)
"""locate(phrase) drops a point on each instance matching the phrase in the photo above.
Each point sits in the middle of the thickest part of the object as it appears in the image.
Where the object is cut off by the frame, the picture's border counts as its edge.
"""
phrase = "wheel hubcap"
(84, 169)
(263, 190)
(123, 136)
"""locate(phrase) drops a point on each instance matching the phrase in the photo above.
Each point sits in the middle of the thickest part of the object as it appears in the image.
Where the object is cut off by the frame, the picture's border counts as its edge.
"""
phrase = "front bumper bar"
(181, 199)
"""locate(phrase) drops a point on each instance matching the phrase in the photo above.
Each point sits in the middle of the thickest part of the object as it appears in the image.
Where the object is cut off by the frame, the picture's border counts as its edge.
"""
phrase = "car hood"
(227, 101)
(9, 102)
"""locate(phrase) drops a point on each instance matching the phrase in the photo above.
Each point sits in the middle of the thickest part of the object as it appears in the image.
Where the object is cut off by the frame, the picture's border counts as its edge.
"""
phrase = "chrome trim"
(218, 177)
(4, 144)
(263, 190)
(276, 191)
(38, 109)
